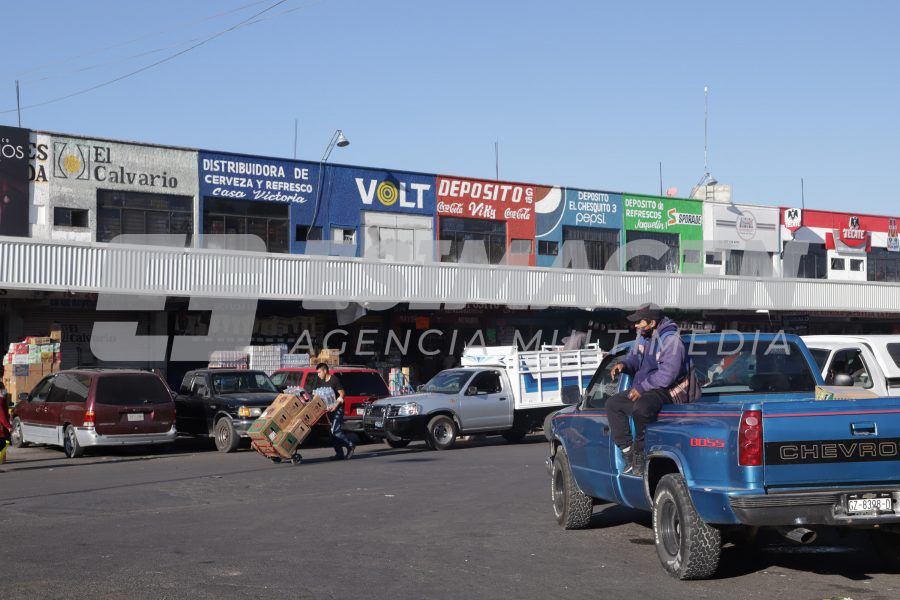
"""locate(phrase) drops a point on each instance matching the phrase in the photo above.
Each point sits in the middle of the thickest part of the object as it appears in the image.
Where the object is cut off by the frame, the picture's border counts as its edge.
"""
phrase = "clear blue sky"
(580, 93)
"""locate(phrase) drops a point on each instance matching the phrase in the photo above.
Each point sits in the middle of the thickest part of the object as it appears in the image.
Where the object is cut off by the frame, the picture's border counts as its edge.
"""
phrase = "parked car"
(222, 403)
(871, 362)
(361, 385)
(497, 391)
(83, 408)
(756, 450)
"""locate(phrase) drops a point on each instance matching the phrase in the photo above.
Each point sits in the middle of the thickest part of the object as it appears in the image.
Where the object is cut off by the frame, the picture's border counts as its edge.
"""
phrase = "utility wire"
(151, 65)
(69, 59)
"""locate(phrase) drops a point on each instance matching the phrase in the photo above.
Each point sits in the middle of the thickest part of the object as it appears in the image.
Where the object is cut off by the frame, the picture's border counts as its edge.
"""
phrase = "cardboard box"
(263, 430)
(286, 406)
(38, 340)
(56, 333)
(313, 411)
(840, 392)
(285, 444)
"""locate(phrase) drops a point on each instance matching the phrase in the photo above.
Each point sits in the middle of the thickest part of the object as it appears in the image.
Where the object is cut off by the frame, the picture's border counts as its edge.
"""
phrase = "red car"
(95, 407)
(361, 385)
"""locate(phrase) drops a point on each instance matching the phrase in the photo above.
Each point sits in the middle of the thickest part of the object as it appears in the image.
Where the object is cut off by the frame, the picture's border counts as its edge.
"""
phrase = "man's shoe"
(626, 458)
(637, 465)
(350, 452)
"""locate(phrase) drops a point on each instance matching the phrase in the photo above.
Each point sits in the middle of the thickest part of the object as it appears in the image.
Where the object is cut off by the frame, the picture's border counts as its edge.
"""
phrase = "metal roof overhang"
(191, 272)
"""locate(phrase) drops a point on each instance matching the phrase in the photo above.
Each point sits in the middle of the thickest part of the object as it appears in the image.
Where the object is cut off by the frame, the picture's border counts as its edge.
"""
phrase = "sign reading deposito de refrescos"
(664, 215)
(13, 181)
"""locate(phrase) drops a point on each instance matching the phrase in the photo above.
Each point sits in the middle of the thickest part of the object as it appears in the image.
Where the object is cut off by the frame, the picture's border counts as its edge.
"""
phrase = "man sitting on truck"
(657, 363)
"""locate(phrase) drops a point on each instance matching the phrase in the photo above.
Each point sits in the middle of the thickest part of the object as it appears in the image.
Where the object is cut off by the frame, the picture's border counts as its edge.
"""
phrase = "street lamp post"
(339, 140)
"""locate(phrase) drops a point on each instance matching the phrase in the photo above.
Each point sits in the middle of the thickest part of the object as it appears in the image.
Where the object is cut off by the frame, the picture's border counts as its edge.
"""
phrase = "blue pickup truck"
(756, 450)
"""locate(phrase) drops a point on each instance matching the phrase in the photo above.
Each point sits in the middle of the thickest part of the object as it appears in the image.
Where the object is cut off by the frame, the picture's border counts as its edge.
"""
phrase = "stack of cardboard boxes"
(29, 361)
(330, 357)
(284, 425)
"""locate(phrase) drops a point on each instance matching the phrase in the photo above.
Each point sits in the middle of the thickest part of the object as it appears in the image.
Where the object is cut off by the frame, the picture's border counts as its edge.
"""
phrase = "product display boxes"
(284, 425)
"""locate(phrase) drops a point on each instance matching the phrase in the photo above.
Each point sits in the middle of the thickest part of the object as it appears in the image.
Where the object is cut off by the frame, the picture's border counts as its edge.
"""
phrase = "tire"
(688, 547)
(226, 438)
(397, 443)
(887, 545)
(514, 435)
(441, 433)
(70, 443)
(571, 507)
(17, 437)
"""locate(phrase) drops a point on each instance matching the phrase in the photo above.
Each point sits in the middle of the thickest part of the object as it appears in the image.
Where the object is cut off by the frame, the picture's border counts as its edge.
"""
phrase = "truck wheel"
(688, 547)
(571, 507)
(441, 433)
(227, 439)
(70, 443)
(887, 545)
(17, 438)
(397, 443)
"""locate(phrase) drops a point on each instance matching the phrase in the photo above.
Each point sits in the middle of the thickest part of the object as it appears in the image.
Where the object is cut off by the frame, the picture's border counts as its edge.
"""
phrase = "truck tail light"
(88, 418)
(750, 439)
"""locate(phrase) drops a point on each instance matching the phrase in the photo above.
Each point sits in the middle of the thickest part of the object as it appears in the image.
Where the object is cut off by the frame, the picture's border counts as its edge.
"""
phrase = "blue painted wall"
(575, 208)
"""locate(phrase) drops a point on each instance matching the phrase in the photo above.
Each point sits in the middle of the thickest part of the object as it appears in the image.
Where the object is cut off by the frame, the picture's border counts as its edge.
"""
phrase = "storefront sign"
(746, 225)
(853, 235)
(577, 208)
(793, 219)
(13, 181)
(350, 190)
(254, 178)
(665, 215)
(740, 227)
(492, 200)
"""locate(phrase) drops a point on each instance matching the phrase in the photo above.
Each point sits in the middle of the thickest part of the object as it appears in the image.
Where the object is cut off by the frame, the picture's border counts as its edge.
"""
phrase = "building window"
(856, 264)
(714, 258)
(70, 217)
(600, 245)
(691, 257)
(837, 264)
(305, 233)
(806, 261)
(520, 247)
(643, 246)
(749, 263)
(883, 265)
(548, 248)
(267, 220)
(141, 213)
(465, 235)
(341, 235)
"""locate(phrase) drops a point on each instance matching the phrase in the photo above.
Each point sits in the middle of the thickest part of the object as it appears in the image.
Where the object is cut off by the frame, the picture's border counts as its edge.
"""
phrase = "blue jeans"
(339, 439)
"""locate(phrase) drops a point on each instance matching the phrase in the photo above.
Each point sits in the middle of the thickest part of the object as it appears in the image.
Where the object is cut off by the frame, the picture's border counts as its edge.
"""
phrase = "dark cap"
(647, 312)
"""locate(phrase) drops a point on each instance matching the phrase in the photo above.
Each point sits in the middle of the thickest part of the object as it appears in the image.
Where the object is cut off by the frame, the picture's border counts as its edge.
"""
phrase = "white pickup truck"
(871, 362)
(496, 390)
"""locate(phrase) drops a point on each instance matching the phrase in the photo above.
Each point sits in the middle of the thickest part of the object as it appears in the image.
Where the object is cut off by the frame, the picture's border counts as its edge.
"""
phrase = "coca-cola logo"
(520, 214)
(450, 208)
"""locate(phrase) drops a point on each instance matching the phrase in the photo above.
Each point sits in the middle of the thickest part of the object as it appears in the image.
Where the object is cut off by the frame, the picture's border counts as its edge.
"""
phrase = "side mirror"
(174, 394)
(203, 391)
(843, 380)
(472, 391)
(281, 388)
(22, 397)
(420, 387)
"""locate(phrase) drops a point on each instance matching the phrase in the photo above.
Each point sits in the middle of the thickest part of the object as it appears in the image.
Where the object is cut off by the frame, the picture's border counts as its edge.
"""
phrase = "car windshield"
(752, 367)
(234, 383)
(361, 383)
(820, 356)
(123, 390)
(447, 382)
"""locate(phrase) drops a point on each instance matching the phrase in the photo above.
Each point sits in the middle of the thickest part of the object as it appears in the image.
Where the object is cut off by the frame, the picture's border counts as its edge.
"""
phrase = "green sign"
(684, 218)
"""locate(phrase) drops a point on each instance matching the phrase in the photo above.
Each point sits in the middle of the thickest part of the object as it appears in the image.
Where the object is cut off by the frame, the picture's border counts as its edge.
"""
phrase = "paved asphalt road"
(474, 522)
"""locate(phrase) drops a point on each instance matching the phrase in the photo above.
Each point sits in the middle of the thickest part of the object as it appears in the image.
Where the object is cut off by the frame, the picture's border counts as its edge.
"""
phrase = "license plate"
(866, 505)
(379, 424)
(360, 411)
(135, 416)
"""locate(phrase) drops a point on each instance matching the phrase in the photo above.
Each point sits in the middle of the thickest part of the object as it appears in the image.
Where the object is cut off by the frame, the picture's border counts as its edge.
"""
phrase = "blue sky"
(580, 93)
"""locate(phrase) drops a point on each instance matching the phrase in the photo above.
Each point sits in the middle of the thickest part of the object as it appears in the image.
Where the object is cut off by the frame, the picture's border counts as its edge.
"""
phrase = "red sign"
(793, 219)
(852, 234)
(512, 203)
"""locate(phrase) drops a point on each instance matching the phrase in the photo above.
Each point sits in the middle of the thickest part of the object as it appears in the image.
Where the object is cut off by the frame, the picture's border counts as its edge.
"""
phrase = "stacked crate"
(284, 425)
(29, 361)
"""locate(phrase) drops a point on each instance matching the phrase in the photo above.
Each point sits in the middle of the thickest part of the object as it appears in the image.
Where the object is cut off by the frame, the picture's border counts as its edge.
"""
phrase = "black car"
(222, 403)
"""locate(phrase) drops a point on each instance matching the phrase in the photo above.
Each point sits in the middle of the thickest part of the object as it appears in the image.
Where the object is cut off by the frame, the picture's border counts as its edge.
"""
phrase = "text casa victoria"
(85, 162)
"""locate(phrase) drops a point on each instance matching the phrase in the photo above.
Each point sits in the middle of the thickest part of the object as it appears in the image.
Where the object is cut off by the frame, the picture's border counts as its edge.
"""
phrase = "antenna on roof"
(802, 194)
(707, 178)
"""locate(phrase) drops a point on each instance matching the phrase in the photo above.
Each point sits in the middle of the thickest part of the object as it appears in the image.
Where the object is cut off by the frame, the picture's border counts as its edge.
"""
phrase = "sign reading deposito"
(664, 215)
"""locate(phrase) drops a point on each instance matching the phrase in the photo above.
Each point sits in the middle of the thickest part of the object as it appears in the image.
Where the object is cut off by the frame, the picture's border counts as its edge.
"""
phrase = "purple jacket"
(655, 364)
